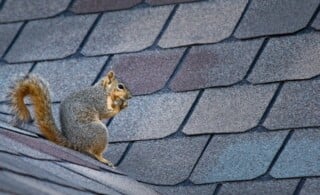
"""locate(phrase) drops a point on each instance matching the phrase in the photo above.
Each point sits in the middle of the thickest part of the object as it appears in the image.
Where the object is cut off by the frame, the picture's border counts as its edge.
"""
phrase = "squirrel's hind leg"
(100, 158)
(98, 155)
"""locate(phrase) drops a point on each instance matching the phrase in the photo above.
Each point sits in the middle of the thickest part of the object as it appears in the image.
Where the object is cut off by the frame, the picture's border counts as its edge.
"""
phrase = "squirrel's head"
(117, 89)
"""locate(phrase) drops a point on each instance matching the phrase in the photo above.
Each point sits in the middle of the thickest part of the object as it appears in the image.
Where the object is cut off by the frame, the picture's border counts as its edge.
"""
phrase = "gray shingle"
(300, 156)
(33, 127)
(167, 161)
(237, 156)
(204, 22)
(19, 165)
(5, 108)
(52, 149)
(298, 105)
(7, 33)
(316, 23)
(146, 72)
(275, 17)
(115, 151)
(24, 149)
(288, 58)
(311, 187)
(215, 65)
(70, 177)
(14, 10)
(50, 39)
(22, 184)
(8, 73)
(274, 187)
(66, 76)
(128, 31)
(233, 109)
(87, 6)
(120, 183)
(142, 121)
(185, 190)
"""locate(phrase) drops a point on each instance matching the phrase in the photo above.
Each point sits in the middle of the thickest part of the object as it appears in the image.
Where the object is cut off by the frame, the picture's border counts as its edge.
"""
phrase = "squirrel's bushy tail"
(38, 92)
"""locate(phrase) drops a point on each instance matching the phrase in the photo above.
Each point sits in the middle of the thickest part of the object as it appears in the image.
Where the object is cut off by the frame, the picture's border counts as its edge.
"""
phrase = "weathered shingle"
(166, 161)
(203, 22)
(66, 76)
(127, 31)
(316, 22)
(11, 72)
(87, 6)
(274, 187)
(215, 65)
(16, 146)
(7, 33)
(20, 184)
(14, 10)
(146, 72)
(18, 164)
(311, 187)
(300, 157)
(142, 121)
(275, 17)
(69, 176)
(298, 105)
(185, 190)
(50, 148)
(233, 109)
(50, 39)
(120, 183)
(288, 58)
(115, 151)
(237, 157)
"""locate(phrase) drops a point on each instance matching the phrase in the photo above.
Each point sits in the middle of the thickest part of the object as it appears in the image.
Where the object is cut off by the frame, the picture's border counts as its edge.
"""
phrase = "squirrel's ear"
(111, 76)
(107, 80)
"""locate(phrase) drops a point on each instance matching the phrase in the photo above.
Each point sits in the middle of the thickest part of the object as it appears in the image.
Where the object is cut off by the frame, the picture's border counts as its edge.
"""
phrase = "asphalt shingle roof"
(226, 95)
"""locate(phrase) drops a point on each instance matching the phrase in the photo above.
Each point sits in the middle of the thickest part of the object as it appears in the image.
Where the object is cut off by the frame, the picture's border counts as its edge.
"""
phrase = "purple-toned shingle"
(163, 2)
(146, 72)
(89, 6)
(183, 190)
(311, 187)
(215, 65)
(274, 187)
(16, 10)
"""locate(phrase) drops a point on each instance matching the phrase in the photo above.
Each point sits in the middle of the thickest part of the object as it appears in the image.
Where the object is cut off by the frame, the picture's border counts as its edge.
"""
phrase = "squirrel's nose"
(129, 96)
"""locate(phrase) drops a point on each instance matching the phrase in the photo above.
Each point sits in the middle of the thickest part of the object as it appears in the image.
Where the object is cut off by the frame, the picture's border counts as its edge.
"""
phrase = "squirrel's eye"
(120, 86)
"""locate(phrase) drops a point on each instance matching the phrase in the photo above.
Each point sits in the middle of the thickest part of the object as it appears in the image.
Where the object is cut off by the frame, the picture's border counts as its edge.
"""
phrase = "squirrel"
(80, 113)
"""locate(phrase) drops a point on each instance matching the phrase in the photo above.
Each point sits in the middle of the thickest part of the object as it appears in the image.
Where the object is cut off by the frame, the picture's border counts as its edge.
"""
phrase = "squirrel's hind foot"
(100, 158)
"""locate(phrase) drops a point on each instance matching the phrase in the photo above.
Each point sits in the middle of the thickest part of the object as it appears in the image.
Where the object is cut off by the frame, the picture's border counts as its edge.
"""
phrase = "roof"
(226, 95)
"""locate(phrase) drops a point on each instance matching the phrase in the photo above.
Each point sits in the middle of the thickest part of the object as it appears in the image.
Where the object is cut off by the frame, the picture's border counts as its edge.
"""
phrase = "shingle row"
(137, 29)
